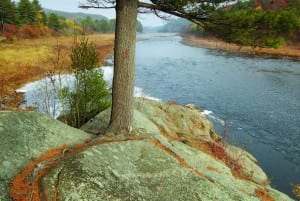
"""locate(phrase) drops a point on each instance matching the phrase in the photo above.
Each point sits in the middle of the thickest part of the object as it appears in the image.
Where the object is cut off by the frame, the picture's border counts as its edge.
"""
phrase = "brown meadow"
(27, 60)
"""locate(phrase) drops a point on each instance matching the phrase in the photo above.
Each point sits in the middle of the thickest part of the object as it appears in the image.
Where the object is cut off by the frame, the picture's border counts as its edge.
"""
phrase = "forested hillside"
(24, 19)
(262, 23)
(75, 15)
(27, 19)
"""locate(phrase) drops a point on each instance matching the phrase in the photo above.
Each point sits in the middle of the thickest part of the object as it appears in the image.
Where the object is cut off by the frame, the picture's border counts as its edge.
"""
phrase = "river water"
(257, 99)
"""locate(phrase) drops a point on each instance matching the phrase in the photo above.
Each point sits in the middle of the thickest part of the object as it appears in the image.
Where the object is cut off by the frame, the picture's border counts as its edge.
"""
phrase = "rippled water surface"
(258, 98)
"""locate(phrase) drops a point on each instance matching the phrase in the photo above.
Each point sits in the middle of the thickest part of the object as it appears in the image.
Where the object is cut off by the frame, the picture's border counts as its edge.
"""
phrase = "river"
(257, 99)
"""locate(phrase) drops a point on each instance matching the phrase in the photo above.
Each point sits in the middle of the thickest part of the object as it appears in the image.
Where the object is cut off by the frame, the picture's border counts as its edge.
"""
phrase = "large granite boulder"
(140, 170)
(24, 136)
(172, 153)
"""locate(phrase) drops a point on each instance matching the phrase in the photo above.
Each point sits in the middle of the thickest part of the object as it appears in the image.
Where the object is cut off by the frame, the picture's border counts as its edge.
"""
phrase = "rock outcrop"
(171, 153)
(24, 136)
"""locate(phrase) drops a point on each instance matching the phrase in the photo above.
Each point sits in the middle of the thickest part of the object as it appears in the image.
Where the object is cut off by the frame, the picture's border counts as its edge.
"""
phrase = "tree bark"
(124, 66)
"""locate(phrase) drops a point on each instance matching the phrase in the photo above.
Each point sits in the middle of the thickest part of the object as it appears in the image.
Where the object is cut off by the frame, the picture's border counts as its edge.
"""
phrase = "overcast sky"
(72, 6)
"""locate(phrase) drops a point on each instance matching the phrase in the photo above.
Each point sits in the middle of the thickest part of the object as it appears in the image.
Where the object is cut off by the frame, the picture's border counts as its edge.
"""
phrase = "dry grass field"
(31, 59)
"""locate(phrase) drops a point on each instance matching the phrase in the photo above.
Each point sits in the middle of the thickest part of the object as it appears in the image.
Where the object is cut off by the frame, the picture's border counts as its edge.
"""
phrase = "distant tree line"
(26, 19)
(249, 23)
(102, 25)
(263, 23)
(179, 25)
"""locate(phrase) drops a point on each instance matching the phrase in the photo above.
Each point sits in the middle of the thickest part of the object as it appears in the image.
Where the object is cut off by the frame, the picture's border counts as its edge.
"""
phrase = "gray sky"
(72, 6)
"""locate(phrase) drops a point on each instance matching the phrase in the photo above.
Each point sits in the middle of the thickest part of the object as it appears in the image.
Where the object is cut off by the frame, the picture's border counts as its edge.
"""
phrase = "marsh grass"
(28, 60)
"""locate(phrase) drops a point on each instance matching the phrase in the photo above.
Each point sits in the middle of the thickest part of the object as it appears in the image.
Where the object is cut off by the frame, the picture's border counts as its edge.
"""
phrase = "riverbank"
(292, 51)
(28, 60)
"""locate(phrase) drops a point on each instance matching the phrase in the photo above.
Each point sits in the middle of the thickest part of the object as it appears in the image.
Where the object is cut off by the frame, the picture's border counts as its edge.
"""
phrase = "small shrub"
(10, 31)
(90, 94)
(29, 31)
(218, 150)
(45, 30)
(235, 165)
(296, 190)
(172, 102)
(275, 43)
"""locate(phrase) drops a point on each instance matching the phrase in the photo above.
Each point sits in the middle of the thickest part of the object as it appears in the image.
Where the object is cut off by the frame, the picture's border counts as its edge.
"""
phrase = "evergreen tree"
(40, 16)
(112, 24)
(101, 25)
(53, 22)
(256, 27)
(8, 13)
(88, 23)
(26, 12)
(36, 5)
(44, 19)
(90, 95)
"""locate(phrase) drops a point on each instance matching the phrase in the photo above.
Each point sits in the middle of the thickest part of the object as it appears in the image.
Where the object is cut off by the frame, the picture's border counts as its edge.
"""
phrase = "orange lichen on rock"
(180, 160)
(218, 151)
(24, 186)
(172, 102)
(263, 195)
(212, 169)
(211, 147)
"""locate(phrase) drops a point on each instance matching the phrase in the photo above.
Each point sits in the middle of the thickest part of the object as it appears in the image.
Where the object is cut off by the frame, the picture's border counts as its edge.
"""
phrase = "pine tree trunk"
(124, 66)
